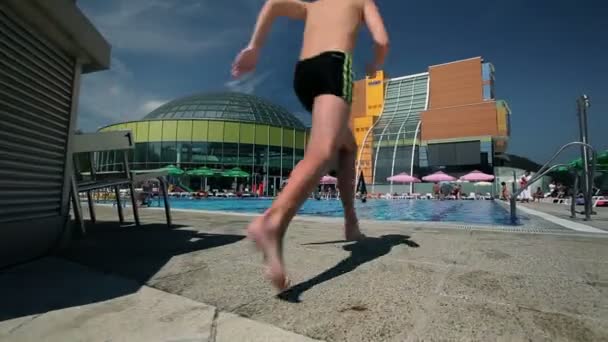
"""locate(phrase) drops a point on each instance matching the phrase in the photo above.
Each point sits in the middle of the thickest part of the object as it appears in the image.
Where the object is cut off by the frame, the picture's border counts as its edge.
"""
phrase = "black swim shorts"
(327, 73)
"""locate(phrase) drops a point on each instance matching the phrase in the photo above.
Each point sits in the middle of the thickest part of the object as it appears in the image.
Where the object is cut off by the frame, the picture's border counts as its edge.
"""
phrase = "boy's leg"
(346, 184)
(329, 120)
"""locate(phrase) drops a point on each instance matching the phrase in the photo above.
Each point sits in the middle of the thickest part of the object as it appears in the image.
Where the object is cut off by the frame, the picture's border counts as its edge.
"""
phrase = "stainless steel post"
(574, 192)
(121, 216)
(583, 103)
(513, 200)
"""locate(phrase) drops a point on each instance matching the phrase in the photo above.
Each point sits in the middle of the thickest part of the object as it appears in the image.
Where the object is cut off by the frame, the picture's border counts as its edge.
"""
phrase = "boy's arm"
(294, 9)
(375, 24)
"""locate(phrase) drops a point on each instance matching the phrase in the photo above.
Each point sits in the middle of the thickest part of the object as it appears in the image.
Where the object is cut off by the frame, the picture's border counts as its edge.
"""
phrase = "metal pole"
(574, 192)
(513, 200)
(591, 165)
(582, 104)
(121, 216)
(163, 190)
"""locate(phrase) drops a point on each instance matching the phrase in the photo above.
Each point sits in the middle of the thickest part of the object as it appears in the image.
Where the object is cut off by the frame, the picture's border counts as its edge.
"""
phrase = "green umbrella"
(201, 172)
(602, 160)
(235, 172)
(562, 169)
(174, 170)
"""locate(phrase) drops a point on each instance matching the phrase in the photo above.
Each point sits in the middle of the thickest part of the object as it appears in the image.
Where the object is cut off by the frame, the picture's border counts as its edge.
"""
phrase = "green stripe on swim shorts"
(350, 78)
(347, 78)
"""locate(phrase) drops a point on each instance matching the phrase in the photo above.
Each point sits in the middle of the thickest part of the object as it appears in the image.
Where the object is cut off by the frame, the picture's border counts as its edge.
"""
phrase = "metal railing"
(588, 189)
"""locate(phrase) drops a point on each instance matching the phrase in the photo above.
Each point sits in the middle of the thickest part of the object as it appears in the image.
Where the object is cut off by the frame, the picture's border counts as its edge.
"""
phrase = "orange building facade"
(446, 118)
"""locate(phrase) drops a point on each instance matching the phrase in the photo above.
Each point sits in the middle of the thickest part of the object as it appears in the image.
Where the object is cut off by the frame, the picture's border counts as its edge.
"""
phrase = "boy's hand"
(245, 61)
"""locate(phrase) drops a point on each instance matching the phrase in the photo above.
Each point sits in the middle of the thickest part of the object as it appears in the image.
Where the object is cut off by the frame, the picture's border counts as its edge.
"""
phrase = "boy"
(323, 84)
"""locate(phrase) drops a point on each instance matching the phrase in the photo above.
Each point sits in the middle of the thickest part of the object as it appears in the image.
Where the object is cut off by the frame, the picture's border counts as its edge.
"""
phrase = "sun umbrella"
(328, 180)
(403, 178)
(174, 170)
(439, 176)
(235, 172)
(202, 172)
(477, 176)
(602, 160)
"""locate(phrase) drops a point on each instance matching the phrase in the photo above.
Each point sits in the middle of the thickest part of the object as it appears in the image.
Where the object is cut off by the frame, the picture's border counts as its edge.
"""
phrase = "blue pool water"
(473, 212)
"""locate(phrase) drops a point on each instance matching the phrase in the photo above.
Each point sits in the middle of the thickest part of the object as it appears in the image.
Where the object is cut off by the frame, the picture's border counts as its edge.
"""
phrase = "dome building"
(219, 131)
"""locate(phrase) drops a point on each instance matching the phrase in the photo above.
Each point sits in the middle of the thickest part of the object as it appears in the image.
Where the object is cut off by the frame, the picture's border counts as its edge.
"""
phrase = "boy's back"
(331, 25)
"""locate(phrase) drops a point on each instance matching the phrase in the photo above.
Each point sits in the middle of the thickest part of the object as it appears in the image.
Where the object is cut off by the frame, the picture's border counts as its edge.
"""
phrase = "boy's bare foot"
(351, 228)
(267, 237)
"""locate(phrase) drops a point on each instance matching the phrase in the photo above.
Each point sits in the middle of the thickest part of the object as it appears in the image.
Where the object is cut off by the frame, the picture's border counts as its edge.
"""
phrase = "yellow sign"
(374, 94)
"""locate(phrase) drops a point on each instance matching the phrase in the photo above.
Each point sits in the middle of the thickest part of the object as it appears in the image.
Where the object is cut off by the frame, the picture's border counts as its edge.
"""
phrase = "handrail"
(545, 169)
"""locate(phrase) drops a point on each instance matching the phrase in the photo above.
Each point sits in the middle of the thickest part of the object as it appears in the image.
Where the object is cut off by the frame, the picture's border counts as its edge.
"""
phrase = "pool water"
(472, 212)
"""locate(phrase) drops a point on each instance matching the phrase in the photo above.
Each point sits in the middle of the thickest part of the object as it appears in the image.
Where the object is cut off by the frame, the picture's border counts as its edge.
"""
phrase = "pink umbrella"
(477, 176)
(328, 180)
(439, 176)
(403, 178)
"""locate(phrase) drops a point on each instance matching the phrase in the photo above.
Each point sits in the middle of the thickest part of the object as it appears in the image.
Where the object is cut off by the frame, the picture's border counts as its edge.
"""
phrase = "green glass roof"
(226, 106)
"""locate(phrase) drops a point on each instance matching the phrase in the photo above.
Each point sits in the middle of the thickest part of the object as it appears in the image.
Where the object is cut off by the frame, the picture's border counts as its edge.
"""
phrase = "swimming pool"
(472, 212)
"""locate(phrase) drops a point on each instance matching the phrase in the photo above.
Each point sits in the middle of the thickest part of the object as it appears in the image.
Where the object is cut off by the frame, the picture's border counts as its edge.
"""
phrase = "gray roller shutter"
(36, 85)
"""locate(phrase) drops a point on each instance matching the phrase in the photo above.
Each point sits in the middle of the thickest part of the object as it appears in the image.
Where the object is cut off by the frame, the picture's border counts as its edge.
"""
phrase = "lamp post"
(587, 186)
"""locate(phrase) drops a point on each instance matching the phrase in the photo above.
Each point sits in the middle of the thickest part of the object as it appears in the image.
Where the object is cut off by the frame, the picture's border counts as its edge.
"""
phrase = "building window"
(488, 91)
(487, 70)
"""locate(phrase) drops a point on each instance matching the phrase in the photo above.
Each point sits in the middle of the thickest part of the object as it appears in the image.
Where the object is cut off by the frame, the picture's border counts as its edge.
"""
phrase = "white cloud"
(178, 28)
(248, 83)
(110, 96)
(156, 28)
(151, 105)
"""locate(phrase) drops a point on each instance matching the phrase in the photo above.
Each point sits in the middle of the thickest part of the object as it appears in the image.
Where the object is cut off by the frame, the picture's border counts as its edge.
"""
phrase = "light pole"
(587, 186)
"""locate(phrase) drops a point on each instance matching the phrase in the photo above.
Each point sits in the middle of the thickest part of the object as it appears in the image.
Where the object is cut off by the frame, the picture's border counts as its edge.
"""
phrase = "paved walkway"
(407, 282)
(599, 220)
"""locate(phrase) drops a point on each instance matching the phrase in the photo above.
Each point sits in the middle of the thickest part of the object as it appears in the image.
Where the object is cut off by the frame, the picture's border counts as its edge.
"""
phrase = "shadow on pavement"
(362, 251)
(136, 254)
(139, 253)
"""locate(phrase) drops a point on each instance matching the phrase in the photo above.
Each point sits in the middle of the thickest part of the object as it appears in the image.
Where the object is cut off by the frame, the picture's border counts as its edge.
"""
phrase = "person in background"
(538, 195)
(553, 189)
(436, 190)
(504, 192)
(458, 191)
(523, 183)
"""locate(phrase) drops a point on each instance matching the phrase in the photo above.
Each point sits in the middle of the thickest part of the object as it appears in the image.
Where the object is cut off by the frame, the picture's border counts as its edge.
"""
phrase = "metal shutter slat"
(23, 93)
(24, 211)
(33, 45)
(27, 66)
(17, 174)
(27, 131)
(15, 156)
(17, 79)
(27, 215)
(41, 129)
(32, 144)
(25, 184)
(36, 80)
(29, 166)
(22, 112)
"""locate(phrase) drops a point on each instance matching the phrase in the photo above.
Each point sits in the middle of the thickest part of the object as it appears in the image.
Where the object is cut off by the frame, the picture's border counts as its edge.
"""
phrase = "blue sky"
(545, 52)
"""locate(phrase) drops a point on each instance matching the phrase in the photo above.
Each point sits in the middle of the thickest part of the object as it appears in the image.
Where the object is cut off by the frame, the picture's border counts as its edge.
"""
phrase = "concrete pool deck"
(202, 281)
(562, 211)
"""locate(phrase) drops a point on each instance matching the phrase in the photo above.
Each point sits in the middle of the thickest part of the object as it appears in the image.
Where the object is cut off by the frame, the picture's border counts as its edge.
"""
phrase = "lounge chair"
(120, 142)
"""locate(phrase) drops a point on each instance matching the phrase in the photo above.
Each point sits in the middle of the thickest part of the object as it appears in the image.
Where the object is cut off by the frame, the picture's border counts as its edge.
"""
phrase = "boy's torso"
(331, 25)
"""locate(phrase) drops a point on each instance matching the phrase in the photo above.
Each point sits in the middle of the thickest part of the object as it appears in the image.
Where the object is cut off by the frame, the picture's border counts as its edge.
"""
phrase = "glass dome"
(226, 106)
